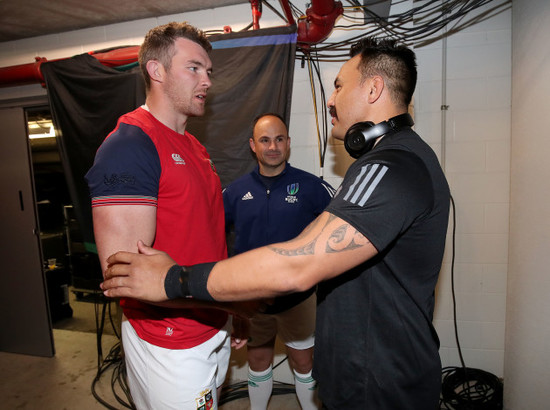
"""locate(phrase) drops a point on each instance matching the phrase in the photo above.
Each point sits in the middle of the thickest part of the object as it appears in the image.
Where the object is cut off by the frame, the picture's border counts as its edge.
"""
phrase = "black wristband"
(198, 279)
(176, 283)
(188, 281)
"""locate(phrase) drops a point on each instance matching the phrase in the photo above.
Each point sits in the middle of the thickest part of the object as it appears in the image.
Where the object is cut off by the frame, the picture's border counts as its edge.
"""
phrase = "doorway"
(24, 316)
(72, 274)
(35, 214)
(41, 264)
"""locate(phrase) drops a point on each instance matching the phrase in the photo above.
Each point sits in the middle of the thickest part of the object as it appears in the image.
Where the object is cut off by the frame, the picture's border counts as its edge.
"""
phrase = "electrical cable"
(324, 138)
(112, 362)
(464, 388)
(314, 71)
(419, 25)
(296, 12)
(274, 10)
(416, 24)
(113, 326)
(316, 111)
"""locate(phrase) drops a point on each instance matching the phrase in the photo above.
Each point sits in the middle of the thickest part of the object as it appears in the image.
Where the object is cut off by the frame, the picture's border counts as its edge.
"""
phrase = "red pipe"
(117, 57)
(314, 28)
(22, 74)
(256, 14)
(318, 23)
(31, 74)
(288, 12)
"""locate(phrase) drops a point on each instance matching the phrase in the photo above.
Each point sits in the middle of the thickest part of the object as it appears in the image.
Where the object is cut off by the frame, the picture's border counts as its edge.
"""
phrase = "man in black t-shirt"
(375, 252)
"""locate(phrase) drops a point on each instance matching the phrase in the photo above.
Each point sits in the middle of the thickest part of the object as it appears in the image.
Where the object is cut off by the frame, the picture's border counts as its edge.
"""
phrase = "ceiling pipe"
(318, 22)
(288, 12)
(256, 14)
(22, 74)
(31, 73)
(313, 28)
(117, 57)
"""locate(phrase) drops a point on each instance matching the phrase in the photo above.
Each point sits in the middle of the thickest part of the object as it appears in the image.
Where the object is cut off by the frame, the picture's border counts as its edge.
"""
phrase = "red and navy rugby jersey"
(143, 162)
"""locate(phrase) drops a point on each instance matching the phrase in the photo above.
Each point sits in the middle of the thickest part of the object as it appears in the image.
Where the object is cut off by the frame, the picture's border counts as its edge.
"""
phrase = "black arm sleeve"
(188, 281)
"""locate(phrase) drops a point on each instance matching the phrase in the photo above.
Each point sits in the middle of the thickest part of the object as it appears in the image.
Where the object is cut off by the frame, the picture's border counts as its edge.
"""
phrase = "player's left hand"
(139, 276)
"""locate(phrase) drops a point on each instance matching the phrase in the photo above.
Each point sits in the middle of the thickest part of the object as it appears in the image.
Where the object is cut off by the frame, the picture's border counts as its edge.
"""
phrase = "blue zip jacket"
(261, 216)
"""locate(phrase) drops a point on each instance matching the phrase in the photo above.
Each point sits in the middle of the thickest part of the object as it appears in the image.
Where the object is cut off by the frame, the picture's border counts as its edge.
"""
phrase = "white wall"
(475, 148)
(527, 357)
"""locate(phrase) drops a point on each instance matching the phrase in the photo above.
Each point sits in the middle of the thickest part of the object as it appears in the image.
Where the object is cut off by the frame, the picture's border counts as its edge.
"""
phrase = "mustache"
(332, 111)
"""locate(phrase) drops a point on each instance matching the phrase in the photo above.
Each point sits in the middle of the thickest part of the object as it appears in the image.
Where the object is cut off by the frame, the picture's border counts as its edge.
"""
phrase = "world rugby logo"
(292, 190)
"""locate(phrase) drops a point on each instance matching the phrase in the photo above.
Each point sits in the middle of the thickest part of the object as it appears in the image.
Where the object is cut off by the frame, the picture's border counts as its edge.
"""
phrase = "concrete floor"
(61, 382)
(64, 382)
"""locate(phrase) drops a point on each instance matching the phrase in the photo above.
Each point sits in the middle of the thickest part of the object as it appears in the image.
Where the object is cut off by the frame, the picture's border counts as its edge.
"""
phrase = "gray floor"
(61, 382)
(65, 381)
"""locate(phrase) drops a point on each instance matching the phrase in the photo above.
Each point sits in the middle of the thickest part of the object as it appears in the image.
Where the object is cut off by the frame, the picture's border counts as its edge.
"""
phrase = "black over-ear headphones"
(360, 137)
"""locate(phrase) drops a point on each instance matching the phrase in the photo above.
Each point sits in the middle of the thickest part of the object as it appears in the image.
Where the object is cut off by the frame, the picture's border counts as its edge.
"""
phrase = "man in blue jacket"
(274, 203)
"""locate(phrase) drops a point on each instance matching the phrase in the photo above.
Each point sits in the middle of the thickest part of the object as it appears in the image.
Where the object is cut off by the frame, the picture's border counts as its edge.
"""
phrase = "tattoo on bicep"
(312, 225)
(345, 238)
(308, 248)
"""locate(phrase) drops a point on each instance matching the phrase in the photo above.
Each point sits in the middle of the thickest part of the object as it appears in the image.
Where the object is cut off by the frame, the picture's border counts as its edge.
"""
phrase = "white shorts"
(183, 379)
(295, 326)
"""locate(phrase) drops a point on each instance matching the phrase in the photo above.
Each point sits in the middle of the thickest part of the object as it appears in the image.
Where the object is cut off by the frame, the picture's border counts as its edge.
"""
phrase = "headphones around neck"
(361, 137)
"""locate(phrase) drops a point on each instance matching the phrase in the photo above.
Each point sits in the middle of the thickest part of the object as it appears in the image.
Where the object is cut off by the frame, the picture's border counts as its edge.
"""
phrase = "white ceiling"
(29, 18)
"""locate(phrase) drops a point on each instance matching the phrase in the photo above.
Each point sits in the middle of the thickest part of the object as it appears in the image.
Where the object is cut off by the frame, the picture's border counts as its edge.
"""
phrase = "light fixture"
(41, 129)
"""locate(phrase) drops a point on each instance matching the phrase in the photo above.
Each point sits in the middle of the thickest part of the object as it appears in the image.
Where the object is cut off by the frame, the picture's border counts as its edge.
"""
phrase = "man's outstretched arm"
(328, 247)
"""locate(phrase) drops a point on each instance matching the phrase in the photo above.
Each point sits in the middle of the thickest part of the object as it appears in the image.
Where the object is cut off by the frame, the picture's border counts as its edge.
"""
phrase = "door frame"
(25, 318)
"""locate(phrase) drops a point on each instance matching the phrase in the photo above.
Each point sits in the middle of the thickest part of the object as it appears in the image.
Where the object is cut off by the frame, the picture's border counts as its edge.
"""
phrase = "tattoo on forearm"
(307, 249)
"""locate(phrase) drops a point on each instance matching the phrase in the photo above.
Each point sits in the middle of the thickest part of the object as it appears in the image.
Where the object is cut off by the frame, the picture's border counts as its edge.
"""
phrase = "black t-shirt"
(375, 346)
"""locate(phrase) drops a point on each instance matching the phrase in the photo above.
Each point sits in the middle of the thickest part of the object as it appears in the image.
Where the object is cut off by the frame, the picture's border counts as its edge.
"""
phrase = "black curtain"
(253, 74)
(86, 99)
